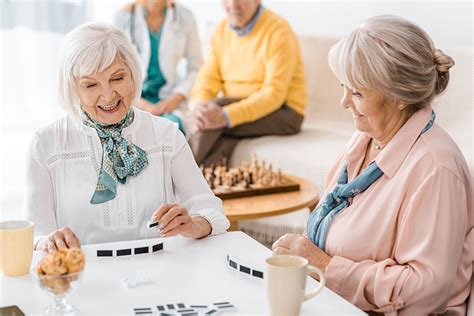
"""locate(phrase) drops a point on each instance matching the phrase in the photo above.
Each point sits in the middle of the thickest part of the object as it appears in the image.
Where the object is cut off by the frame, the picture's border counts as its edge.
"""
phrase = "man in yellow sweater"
(255, 64)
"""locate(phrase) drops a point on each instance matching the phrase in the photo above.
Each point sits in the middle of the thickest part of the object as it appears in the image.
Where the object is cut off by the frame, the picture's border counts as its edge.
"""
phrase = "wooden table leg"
(234, 226)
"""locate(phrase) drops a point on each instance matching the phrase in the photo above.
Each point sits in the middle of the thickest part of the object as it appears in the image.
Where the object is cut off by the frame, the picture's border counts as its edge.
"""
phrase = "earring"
(401, 107)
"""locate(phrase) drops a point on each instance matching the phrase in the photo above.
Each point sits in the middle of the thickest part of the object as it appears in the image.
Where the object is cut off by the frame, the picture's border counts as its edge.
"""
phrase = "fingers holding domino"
(167, 217)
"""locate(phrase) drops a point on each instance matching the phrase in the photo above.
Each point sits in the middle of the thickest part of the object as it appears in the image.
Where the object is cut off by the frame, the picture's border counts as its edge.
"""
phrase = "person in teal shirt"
(163, 34)
(155, 79)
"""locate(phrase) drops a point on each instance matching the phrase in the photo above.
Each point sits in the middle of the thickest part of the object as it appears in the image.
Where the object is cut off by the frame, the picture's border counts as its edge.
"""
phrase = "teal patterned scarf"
(119, 157)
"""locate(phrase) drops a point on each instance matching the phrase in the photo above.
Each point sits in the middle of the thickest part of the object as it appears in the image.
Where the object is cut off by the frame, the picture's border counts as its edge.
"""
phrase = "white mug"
(285, 281)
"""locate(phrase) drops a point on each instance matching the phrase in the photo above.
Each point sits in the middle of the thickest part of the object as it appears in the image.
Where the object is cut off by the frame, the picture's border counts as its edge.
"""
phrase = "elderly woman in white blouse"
(101, 172)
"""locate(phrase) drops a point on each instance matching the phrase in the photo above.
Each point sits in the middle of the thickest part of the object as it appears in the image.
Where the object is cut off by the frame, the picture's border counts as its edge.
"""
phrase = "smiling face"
(107, 96)
(371, 113)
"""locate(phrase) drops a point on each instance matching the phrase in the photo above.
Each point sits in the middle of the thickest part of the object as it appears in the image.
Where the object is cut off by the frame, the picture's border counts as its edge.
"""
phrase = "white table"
(187, 271)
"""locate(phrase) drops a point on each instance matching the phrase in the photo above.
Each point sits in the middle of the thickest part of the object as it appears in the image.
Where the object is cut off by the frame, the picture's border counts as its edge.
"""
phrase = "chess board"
(254, 178)
(286, 185)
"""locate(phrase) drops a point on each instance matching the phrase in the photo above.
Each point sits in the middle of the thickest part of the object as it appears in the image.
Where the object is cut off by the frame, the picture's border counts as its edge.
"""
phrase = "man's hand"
(207, 116)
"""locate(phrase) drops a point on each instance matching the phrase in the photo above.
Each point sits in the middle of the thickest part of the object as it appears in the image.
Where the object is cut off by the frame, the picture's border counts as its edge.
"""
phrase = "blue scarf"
(120, 158)
(323, 215)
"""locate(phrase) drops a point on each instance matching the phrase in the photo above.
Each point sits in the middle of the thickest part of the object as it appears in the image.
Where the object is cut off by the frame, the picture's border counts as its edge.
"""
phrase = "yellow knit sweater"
(263, 68)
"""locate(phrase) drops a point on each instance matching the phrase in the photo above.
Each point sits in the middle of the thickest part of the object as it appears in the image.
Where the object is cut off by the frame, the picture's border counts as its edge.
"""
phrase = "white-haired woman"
(163, 34)
(101, 172)
(394, 230)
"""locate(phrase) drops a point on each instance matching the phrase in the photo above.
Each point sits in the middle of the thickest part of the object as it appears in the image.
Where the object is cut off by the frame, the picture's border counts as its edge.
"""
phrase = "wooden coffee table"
(253, 207)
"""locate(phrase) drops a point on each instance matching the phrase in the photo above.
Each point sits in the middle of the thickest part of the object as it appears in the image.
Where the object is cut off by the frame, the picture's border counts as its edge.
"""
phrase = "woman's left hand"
(168, 105)
(300, 245)
(174, 220)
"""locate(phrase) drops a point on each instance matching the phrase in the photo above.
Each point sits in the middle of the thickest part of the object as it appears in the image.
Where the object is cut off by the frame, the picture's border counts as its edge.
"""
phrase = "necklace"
(377, 147)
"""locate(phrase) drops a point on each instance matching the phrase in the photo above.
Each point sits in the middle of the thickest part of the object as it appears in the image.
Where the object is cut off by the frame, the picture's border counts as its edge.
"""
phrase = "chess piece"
(271, 176)
(228, 181)
(218, 176)
(208, 175)
(255, 174)
(254, 169)
(240, 175)
(254, 159)
(261, 174)
(225, 164)
(250, 178)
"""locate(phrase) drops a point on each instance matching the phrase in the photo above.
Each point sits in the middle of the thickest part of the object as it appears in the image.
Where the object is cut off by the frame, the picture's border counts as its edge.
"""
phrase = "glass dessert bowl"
(58, 287)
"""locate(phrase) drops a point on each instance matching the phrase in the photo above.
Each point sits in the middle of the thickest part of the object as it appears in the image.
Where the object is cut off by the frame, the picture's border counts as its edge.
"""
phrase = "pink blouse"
(405, 245)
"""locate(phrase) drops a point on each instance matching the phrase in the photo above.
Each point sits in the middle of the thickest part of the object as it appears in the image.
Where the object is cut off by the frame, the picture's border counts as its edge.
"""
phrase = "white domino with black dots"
(182, 309)
(244, 269)
(130, 251)
(151, 224)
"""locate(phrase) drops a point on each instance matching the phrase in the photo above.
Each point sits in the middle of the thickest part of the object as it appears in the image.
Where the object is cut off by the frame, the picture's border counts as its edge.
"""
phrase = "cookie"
(62, 252)
(39, 269)
(56, 286)
(75, 260)
(54, 263)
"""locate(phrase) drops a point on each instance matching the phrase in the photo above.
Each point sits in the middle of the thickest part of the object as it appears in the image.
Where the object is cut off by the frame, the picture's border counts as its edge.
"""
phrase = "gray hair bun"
(442, 61)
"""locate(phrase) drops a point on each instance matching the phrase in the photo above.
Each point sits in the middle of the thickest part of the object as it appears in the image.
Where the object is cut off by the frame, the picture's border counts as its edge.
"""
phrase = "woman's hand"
(300, 245)
(174, 220)
(61, 238)
(145, 105)
(167, 105)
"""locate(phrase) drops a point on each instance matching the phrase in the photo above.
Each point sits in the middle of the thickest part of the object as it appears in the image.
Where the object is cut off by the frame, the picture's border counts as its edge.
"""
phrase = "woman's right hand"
(61, 238)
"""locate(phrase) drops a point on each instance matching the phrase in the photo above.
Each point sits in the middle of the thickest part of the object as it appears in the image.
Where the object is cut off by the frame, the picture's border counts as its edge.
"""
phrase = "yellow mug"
(16, 247)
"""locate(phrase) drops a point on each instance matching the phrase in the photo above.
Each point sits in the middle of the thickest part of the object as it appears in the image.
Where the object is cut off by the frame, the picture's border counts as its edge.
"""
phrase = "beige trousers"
(212, 146)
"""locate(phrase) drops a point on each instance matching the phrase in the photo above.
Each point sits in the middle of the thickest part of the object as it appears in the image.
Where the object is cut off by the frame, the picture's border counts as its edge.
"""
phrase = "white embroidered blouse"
(62, 171)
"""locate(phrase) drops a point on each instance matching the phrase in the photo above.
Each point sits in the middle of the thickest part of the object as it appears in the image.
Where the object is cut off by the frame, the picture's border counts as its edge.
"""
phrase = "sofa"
(328, 127)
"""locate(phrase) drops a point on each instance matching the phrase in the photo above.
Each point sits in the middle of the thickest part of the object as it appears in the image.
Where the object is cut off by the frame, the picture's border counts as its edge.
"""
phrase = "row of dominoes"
(181, 309)
(244, 269)
(129, 251)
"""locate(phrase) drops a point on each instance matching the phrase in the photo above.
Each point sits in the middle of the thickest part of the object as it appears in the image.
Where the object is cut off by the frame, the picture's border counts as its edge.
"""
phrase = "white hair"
(393, 56)
(89, 49)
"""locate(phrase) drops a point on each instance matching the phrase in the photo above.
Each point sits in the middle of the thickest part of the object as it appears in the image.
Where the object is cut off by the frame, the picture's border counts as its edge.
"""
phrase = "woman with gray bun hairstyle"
(102, 171)
(394, 230)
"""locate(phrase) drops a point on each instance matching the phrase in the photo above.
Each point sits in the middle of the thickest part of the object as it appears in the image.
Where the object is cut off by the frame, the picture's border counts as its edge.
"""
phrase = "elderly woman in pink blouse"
(394, 230)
